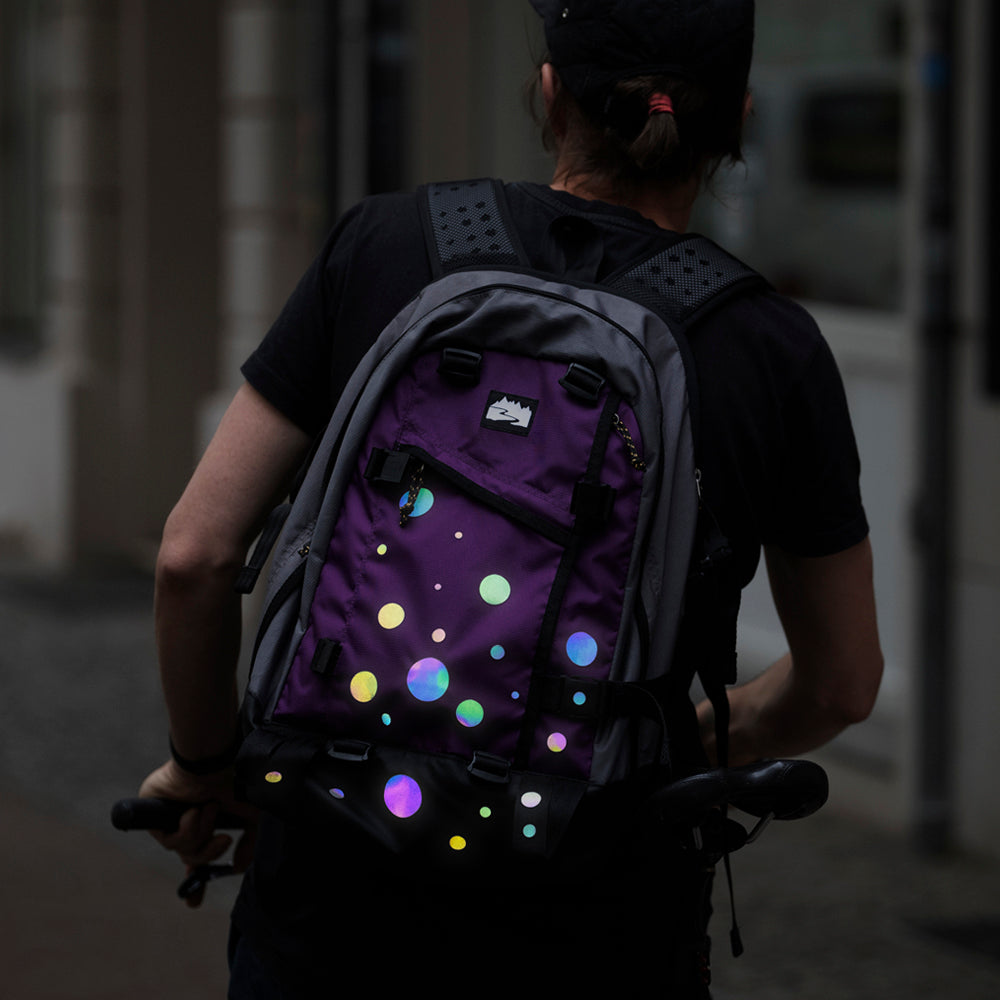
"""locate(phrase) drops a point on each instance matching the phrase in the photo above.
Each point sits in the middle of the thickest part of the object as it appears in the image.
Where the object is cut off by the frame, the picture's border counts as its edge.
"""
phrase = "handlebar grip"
(162, 815)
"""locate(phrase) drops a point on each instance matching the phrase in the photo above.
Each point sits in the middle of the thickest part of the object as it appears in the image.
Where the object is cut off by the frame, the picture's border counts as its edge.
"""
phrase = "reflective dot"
(337, 793)
(469, 713)
(437, 586)
(402, 796)
(556, 742)
(438, 635)
(382, 549)
(386, 719)
(486, 812)
(530, 800)
(494, 589)
(391, 616)
(427, 679)
(364, 685)
(581, 648)
(458, 535)
(457, 843)
(515, 695)
(425, 500)
(529, 830)
(497, 652)
(579, 698)
(272, 777)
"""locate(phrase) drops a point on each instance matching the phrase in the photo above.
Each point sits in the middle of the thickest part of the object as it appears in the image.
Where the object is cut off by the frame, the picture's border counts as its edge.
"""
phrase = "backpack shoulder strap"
(683, 283)
(686, 281)
(468, 224)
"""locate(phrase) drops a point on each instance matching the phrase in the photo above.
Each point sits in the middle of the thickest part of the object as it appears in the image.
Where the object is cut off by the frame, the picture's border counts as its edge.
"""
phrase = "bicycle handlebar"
(162, 815)
(778, 789)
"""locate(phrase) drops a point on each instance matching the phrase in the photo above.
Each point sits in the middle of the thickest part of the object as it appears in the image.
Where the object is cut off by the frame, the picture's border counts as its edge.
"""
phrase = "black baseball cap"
(594, 44)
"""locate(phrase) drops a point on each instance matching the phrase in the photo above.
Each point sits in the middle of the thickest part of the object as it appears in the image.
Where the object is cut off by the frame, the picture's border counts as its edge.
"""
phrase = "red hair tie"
(660, 104)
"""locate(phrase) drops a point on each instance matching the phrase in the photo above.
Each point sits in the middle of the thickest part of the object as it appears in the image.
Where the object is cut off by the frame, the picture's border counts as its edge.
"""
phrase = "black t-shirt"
(778, 457)
(778, 460)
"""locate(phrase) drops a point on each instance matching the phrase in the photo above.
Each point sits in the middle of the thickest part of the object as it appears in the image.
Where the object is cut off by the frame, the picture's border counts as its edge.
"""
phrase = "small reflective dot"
(579, 698)
(529, 830)
(337, 793)
(486, 812)
(457, 843)
(530, 800)
(272, 777)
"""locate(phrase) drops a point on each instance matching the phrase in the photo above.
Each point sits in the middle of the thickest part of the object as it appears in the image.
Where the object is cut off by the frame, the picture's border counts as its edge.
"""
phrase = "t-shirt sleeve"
(817, 507)
(291, 366)
(373, 262)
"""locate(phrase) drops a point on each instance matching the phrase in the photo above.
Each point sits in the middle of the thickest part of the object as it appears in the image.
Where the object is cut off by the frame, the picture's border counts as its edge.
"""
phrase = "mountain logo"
(509, 413)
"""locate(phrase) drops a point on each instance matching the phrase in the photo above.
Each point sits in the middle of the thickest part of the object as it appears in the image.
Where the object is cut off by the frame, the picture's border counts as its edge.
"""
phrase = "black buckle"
(385, 466)
(326, 656)
(346, 749)
(583, 383)
(489, 767)
(460, 367)
(592, 504)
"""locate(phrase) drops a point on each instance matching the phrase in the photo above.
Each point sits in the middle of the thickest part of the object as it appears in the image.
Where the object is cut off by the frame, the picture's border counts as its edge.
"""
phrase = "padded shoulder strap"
(686, 280)
(467, 224)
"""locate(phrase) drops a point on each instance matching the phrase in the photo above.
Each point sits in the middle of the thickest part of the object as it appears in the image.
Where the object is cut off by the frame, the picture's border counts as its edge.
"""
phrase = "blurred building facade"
(169, 167)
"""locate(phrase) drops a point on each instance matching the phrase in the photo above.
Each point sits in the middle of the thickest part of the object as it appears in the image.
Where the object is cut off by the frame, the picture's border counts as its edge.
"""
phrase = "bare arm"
(244, 471)
(830, 677)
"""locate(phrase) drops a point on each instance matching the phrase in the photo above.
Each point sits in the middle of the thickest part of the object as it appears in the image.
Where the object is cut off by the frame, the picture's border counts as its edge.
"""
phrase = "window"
(818, 204)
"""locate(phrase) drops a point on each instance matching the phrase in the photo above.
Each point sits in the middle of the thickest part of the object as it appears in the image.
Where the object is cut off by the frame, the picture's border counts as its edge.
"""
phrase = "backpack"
(496, 580)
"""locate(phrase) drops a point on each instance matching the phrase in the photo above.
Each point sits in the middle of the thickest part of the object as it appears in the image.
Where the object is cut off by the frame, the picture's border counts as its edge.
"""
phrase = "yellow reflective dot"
(272, 777)
(363, 686)
(391, 616)
(457, 843)
(382, 549)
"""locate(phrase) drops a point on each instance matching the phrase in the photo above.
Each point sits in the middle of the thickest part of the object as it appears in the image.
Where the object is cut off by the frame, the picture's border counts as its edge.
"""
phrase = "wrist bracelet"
(206, 765)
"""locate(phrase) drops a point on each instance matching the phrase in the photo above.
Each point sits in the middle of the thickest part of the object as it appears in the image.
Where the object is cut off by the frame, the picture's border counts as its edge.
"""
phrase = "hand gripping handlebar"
(766, 789)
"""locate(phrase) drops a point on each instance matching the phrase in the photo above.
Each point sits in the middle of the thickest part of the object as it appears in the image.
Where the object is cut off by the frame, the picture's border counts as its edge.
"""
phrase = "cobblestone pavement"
(828, 906)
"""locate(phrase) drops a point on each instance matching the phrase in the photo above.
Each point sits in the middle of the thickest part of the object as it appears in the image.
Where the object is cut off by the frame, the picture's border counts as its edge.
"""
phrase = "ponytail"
(653, 148)
(659, 128)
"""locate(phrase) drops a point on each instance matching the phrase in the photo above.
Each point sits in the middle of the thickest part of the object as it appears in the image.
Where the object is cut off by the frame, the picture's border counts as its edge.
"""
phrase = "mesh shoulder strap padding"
(468, 225)
(686, 279)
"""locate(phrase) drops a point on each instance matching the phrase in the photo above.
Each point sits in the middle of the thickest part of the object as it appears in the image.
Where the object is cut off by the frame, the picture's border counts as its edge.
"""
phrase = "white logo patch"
(506, 412)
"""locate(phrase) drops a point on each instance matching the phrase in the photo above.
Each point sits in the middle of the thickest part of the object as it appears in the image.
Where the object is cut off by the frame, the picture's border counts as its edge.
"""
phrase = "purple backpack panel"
(435, 616)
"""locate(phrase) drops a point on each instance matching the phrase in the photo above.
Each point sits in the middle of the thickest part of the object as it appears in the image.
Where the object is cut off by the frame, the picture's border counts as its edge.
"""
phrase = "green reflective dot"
(494, 589)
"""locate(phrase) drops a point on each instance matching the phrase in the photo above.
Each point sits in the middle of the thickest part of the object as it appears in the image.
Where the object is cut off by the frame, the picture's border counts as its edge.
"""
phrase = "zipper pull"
(633, 452)
(416, 483)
